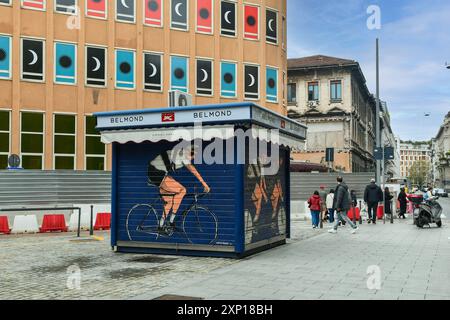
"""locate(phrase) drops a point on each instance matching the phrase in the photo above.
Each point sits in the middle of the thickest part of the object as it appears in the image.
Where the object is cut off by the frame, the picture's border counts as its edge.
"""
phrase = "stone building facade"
(331, 97)
(442, 152)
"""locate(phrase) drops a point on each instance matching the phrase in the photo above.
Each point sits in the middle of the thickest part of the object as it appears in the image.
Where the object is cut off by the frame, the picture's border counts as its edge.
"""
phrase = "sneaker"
(354, 230)
(333, 231)
(369, 221)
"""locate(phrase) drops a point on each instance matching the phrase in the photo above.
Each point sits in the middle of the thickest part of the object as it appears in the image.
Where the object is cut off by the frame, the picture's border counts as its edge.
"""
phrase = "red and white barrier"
(53, 223)
(4, 225)
(25, 224)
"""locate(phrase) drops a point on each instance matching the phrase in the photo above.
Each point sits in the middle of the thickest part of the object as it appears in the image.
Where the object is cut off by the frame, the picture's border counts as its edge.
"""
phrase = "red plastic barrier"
(4, 225)
(354, 211)
(53, 222)
(380, 212)
(103, 221)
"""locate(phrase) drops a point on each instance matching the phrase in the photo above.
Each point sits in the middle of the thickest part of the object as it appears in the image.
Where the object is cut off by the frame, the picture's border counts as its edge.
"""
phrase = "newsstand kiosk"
(205, 181)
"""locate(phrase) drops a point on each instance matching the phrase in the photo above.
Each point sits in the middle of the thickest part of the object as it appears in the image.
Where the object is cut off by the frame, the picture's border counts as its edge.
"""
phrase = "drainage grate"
(168, 297)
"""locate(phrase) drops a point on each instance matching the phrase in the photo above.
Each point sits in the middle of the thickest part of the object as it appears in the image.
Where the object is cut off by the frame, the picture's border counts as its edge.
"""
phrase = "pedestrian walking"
(342, 204)
(323, 197)
(402, 198)
(372, 197)
(315, 205)
(329, 203)
(388, 201)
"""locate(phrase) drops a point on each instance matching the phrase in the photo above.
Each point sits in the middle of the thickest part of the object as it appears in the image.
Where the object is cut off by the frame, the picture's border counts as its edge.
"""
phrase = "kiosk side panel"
(162, 204)
(265, 200)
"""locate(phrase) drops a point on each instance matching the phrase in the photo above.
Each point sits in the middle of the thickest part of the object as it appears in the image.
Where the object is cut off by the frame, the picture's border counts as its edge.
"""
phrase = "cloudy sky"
(415, 44)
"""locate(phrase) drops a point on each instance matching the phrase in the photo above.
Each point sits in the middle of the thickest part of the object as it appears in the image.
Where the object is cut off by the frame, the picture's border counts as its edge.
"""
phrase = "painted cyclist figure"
(160, 174)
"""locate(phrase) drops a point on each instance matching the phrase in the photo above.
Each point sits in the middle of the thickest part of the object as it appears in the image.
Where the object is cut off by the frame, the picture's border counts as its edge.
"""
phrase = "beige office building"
(63, 60)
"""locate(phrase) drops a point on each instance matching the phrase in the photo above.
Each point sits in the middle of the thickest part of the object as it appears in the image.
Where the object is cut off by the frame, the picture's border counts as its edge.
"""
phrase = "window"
(4, 138)
(204, 77)
(5, 57)
(272, 26)
(33, 60)
(313, 91)
(126, 11)
(251, 22)
(64, 142)
(179, 14)
(34, 4)
(292, 93)
(125, 69)
(228, 19)
(32, 140)
(283, 33)
(153, 80)
(205, 19)
(96, 66)
(336, 90)
(96, 9)
(228, 79)
(251, 76)
(66, 6)
(271, 85)
(65, 63)
(5, 2)
(95, 149)
(153, 10)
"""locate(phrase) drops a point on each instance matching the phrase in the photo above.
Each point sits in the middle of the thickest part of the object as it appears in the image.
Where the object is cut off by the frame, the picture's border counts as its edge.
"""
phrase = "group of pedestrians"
(334, 206)
(325, 206)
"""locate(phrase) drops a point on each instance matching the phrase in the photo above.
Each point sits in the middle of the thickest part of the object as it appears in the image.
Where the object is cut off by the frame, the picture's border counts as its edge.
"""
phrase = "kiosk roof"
(218, 114)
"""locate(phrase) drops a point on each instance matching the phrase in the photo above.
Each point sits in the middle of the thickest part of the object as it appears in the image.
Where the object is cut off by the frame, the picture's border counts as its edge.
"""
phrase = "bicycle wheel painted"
(142, 223)
(200, 226)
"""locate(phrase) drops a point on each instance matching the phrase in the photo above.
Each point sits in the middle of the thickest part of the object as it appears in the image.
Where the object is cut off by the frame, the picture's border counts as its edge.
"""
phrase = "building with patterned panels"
(63, 60)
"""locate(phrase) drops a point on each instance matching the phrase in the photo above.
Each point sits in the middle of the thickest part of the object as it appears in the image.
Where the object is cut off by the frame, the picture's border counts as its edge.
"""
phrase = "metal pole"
(91, 228)
(377, 114)
(79, 222)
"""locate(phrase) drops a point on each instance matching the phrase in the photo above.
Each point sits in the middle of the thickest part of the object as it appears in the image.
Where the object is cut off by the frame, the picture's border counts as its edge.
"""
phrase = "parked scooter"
(427, 213)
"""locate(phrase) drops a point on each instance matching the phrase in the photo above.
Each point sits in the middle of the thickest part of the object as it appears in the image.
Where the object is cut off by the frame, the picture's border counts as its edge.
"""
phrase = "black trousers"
(372, 210)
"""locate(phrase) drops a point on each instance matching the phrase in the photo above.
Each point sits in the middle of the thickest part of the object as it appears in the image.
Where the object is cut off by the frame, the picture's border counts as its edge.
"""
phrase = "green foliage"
(419, 172)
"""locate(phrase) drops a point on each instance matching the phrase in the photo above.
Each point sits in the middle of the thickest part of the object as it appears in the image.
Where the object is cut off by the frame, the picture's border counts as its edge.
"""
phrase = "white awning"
(205, 133)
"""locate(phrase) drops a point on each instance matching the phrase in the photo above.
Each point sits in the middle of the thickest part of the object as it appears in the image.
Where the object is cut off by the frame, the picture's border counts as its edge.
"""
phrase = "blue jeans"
(342, 216)
(315, 217)
(331, 215)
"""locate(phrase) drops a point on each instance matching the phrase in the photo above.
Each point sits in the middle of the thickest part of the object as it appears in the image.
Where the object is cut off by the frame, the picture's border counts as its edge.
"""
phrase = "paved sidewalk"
(314, 265)
(414, 264)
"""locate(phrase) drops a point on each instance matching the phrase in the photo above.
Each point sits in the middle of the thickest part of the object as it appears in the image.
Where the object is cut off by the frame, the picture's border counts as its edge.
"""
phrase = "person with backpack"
(315, 205)
(341, 204)
(373, 195)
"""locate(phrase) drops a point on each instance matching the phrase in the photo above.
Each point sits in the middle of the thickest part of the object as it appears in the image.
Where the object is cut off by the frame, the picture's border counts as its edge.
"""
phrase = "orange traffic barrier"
(4, 225)
(103, 221)
(53, 222)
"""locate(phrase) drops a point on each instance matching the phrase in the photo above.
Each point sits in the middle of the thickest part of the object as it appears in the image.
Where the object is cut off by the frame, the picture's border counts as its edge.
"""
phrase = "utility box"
(205, 181)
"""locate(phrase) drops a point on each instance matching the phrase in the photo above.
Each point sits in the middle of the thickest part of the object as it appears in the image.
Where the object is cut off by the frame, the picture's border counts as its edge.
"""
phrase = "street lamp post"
(377, 112)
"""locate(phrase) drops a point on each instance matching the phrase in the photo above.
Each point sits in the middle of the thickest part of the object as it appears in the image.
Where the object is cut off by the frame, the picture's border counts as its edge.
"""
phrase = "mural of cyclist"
(256, 177)
(276, 197)
(160, 174)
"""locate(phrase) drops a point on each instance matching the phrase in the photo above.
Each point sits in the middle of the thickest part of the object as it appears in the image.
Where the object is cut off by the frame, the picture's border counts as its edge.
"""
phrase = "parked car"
(440, 193)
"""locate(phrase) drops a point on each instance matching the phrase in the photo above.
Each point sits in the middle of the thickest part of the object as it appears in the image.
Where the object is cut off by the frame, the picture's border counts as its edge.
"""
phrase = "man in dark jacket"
(372, 196)
(341, 204)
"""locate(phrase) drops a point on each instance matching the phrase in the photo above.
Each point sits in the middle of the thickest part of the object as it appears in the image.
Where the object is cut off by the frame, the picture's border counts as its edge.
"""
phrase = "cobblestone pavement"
(413, 264)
